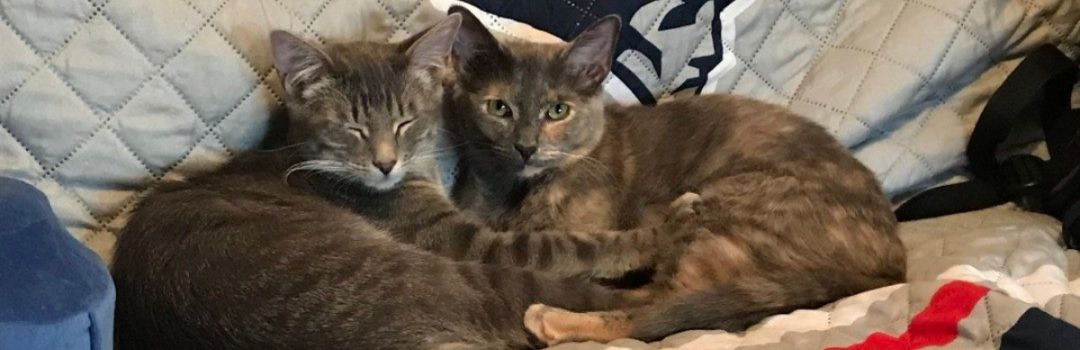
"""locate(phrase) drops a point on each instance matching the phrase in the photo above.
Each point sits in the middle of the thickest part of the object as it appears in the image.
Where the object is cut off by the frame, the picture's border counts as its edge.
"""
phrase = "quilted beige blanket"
(102, 99)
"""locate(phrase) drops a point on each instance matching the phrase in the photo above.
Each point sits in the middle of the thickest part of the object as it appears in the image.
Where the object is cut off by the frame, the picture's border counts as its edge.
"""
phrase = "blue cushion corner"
(55, 293)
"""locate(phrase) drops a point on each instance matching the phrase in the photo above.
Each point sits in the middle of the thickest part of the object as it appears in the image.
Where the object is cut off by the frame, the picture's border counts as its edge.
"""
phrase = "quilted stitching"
(169, 114)
(195, 86)
(703, 16)
(970, 38)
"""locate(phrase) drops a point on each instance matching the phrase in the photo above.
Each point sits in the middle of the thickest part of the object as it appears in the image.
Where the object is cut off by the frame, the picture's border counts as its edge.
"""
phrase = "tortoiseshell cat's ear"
(298, 63)
(589, 56)
(475, 49)
(432, 49)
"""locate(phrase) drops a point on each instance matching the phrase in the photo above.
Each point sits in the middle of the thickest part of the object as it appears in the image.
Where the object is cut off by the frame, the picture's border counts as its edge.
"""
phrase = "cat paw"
(552, 325)
(538, 321)
(688, 204)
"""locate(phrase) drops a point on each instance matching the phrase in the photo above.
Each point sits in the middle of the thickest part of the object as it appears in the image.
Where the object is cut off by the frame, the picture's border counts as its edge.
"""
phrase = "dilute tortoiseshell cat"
(269, 252)
(794, 220)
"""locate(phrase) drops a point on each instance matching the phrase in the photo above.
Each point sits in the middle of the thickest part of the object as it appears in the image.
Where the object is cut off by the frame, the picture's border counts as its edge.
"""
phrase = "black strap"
(1040, 87)
(950, 199)
(1070, 225)
(1038, 91)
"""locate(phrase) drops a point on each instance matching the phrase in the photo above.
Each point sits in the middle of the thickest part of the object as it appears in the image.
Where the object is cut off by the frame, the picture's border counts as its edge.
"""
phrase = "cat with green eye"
(793, 220)
(343, 238)
(499, 108)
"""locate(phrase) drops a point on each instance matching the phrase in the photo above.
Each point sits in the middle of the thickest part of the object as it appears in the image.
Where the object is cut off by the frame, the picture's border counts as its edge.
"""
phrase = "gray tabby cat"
(795, 220)
(269, 252)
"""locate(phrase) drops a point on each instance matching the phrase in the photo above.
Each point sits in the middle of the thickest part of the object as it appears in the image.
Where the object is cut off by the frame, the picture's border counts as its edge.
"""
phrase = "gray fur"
(795, 220)
(269, 252)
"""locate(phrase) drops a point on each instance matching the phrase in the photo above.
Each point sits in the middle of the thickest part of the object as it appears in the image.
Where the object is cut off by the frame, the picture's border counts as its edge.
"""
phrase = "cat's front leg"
(661, 245)
(678, 225)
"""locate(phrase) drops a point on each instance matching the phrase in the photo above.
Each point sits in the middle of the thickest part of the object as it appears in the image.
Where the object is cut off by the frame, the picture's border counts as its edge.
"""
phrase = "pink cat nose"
(386, 166)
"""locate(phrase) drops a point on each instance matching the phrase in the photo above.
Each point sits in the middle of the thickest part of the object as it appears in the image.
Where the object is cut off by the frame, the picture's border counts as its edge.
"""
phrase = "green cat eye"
(558, 111)
(498, 108)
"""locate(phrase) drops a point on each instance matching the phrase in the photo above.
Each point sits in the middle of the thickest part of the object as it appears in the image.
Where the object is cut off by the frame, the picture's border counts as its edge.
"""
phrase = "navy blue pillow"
(54, 292)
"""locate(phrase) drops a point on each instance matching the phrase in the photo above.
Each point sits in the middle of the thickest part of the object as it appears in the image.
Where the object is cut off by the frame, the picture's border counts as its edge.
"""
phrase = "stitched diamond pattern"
(151, 90)
(211, 89)
(87, 64)
(158, 124)
(112, 96)
(20, 62)
(166, 27)
(206, 6)
(882, 75)
(36, 126)
(64, 18)
(103, 186)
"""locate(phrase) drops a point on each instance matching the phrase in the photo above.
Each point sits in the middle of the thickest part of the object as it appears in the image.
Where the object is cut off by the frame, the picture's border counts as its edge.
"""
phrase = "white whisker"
(320, 165)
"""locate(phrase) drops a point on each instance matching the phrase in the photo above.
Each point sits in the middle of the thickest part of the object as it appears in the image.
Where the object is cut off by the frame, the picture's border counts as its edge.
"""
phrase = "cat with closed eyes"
(343, 239)
(793, 220)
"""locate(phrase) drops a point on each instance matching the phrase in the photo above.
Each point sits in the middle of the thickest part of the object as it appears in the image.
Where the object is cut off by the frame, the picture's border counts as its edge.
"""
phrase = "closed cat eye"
(558, 111)
(400, 129)
(358, 129)
(498, 108)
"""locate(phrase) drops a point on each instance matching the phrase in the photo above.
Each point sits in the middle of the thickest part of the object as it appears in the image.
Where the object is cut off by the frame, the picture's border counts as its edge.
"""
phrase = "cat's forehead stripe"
(372, 74)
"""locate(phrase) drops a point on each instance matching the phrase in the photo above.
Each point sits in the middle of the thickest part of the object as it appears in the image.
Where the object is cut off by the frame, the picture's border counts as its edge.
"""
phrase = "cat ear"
(298, 63)
(474, 48)
(588, 58)
(432, 49)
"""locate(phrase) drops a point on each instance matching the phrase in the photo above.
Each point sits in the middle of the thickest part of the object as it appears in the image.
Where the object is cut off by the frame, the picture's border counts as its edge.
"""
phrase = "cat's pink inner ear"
(296, 61)
(432, 50)
(589, 55)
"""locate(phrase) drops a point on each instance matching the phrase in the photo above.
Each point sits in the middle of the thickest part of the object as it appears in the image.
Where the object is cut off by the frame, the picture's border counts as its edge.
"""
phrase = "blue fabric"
(54, 292)
(551, 17)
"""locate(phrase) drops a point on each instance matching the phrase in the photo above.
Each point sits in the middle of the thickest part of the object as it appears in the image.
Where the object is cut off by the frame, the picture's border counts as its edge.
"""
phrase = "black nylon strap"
(950, 199)
(1070, 225)
(1038, 91)
(1040, 86)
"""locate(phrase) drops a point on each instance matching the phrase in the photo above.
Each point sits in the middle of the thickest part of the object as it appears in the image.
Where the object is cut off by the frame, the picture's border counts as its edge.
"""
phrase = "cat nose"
(385, 165)
(525, 151)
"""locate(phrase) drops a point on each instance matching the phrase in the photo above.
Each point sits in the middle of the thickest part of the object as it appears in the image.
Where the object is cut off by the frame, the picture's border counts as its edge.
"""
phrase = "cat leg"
(703, 310)
(552, 325)
(677, 226)
(655, 214)
(684, 212)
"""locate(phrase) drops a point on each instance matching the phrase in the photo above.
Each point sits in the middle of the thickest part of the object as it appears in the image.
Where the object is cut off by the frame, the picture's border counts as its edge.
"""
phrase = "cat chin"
(384, 183)
(531, 171)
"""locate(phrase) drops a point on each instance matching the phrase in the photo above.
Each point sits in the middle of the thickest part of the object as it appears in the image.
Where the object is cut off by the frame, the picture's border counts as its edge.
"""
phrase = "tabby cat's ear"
(432, 49)
(475, 49)
(588, 58)
(298, 63)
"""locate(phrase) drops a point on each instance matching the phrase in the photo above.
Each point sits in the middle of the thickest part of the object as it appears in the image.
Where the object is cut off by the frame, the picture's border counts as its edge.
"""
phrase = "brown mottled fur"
(795, 220)
(269, 252)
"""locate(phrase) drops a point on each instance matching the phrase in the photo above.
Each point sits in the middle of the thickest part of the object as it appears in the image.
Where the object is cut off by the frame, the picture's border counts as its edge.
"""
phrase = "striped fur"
(793, 220)
(262, 254)
(418, 213)
(237, 259)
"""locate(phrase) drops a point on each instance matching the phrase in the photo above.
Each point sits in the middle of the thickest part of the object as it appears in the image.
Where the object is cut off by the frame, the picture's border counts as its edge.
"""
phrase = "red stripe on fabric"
(934, 325)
